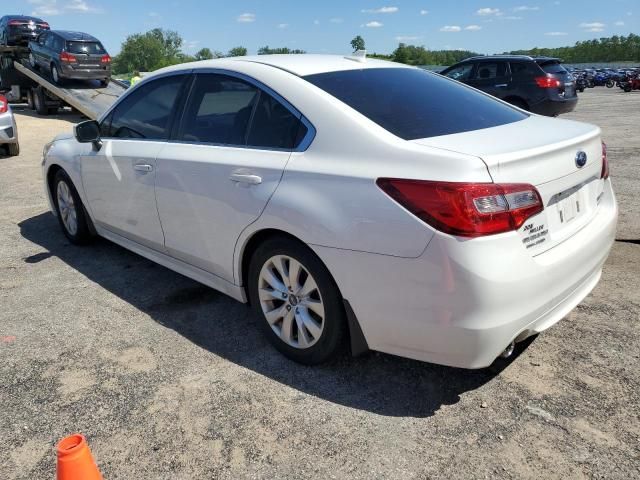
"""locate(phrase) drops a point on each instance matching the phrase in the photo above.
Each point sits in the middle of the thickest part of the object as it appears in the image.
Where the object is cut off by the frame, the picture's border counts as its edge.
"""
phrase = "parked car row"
(536, 84)
(63, 55)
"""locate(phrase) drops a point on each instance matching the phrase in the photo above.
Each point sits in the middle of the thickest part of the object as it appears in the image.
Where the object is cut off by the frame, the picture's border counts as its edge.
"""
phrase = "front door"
(232, 147)
(119, 179)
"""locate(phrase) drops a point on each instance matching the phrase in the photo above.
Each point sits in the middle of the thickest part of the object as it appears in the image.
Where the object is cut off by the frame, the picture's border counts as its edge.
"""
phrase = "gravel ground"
(170, 380)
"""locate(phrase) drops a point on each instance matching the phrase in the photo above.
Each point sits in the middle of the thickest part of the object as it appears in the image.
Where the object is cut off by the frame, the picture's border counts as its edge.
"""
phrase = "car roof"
(298, 64)
(22, 17)
(75, 36)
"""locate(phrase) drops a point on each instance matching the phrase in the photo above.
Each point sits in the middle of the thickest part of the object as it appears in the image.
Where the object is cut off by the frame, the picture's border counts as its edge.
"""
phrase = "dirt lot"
(170, 380)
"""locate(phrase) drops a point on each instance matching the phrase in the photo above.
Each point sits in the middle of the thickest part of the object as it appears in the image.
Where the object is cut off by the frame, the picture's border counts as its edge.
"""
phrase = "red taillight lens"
(67, 58)
(105, 59)
(547, 82)
(4, 104)
(43, 25)
(466, 209)
(604, 174)
(17, 22)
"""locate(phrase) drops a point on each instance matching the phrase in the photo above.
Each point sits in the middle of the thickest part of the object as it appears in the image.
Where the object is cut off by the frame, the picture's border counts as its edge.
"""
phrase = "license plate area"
(570, 205)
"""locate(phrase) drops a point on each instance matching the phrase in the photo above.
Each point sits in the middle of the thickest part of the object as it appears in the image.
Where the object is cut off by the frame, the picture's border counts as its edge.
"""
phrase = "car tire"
(32, 61)
(55, 75)
(303, 317)
(13, 149)
(40, 101)
(30, 103)
(581, 90)
(72, 216)
(104, 83)
(628, 88)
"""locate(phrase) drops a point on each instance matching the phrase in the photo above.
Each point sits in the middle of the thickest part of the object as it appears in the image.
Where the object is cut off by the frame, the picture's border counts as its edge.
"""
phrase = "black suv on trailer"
(70, 55)
(19, 30)
(537, 84)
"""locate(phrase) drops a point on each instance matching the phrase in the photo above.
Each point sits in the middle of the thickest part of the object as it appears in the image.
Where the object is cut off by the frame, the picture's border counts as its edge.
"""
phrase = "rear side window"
(274, 126)
(521, 70)
(412, 103)
(145, 113)
(90, 48)
(554, 67)
(219, 110)
(490, 70)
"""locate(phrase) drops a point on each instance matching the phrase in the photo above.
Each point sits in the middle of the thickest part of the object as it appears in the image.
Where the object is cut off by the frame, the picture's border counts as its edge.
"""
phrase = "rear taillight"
(17, 22)
(105, 59)
(67, 58)
(604, 174)
(466, 209)
(547, 82)
(43, 25)
(4, 104)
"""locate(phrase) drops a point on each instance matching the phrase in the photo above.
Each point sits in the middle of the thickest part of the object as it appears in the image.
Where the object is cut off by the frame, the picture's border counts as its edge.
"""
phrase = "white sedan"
(350, 201)
(8, 128)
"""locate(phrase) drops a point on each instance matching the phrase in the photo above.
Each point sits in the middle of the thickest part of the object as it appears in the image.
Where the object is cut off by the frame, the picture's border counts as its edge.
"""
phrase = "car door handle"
(246, 178)
(143, 167)
(501, 85)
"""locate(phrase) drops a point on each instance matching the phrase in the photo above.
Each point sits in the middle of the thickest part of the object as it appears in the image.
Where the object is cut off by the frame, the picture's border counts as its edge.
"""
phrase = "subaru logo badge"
(581, 159)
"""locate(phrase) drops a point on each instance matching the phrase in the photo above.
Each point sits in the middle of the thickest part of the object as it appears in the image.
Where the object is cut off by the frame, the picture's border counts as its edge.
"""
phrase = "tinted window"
(49, 42)
(521, 70)
(412, 103)
(58, 44)
(219, 110)
(91, 48)
(553, 67)
(490, 70)
(461, 73)
(146, 112)
(274, 126)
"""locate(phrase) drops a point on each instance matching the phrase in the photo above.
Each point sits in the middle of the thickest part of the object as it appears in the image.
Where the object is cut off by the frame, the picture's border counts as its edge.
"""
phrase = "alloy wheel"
(291, 301)
(67, 208)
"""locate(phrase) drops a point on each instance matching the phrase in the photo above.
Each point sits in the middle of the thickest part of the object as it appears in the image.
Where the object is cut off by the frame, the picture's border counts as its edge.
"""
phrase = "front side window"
(461, 73)
(412, 103)
(147, 112)
(219, 110)
(490, 70)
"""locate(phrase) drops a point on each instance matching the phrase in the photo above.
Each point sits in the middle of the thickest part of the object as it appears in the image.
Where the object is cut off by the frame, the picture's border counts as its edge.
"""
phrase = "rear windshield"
(553, 67)
(85, 47)
(412, 103)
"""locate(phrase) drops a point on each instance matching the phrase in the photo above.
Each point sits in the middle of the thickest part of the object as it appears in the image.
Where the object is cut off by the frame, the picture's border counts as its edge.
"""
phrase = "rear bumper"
(553, 107)
(84, 74)
(8, 129)
(463, 301)
(21, 37)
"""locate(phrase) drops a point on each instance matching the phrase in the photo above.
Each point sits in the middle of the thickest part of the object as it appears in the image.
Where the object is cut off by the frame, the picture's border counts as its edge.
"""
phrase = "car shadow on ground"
(65, 114)
(379, 383)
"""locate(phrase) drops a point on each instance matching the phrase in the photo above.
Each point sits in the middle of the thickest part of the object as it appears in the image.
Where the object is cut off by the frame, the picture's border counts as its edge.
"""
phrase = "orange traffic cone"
(75, 461)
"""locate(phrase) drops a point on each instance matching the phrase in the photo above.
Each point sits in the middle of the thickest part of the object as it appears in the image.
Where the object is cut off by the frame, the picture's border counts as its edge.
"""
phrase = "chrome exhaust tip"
(507, 352)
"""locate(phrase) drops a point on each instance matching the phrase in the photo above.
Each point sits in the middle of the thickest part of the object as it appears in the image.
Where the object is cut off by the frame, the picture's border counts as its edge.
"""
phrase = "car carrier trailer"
(24, 83)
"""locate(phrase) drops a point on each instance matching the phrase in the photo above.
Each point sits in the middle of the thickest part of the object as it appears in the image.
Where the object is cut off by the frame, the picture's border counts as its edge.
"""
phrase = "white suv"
(347, 200)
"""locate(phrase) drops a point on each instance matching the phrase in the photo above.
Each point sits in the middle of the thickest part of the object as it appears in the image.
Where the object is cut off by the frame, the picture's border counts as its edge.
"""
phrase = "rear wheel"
(104, 83)
(71, 213)
(30, 102)
(40, 101)
(299, 306)
(517, 102)
(55, 74)
(610, 84)
(13, 149)
(32, 61)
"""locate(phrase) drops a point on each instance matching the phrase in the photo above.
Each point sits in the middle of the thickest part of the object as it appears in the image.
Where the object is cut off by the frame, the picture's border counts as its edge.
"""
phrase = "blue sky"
(327, 26)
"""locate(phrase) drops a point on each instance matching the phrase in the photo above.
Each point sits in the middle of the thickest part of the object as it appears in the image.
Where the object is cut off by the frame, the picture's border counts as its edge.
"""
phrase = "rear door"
(492, 77)
(88, 54)
(225, 163)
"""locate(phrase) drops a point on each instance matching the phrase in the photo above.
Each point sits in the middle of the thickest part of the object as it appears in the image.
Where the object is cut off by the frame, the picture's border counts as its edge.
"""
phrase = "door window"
(147, 112)
(219, 110)
(461, 73)
(274, 126)
(491, 70)
(49, 42)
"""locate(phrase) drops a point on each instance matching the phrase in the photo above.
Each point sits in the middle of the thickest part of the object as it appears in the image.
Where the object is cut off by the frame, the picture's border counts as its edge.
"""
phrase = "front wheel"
(13, 149)
(55, 74)
(71, 213)
(610, 84)
(297, 302)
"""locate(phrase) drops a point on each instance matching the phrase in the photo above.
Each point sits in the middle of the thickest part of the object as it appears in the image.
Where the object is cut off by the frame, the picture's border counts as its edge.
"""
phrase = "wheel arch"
(357, 341)
(51, 172)
(517, 101)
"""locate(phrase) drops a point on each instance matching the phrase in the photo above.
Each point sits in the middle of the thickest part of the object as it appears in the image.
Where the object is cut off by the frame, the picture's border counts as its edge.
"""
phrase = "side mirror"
(88, 132)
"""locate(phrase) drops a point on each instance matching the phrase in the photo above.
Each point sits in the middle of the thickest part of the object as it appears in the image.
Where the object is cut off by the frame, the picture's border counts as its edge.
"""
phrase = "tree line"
(159, 48)
(606, 49)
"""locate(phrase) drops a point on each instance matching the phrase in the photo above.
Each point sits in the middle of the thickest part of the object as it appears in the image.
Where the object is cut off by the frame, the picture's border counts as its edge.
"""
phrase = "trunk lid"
(542, 152)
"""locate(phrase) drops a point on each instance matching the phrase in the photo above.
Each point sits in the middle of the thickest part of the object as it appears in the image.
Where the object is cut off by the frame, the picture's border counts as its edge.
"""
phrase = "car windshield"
(413, 103)
(85, 47)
